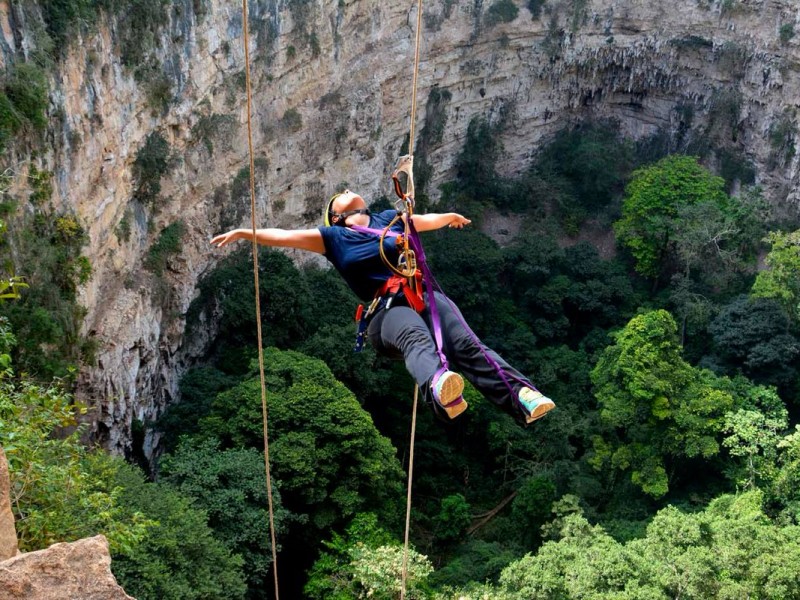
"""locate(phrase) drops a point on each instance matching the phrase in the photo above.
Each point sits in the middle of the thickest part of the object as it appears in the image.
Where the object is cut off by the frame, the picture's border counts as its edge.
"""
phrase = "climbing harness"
(384, 300)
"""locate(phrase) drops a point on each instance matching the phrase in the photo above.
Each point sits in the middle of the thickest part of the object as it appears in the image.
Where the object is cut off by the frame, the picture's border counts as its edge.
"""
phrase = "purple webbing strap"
(432, 285)
(373, 231)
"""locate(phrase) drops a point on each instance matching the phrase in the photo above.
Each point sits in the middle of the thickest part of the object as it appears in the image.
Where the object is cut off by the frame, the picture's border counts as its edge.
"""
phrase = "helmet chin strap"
(343, 216)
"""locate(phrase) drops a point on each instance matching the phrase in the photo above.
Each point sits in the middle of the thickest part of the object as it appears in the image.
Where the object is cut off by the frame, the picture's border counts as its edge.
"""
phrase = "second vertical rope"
(245, 28)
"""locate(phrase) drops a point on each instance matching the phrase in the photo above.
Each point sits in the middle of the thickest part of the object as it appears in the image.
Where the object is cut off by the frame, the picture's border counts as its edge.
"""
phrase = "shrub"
(158, 89)
(535, 6)
(313, 42)
(502, 11)
(62, 17)
(292, 120)
(786, 32)
(214, 126)
(26, 88)
(47, 317)
(732, 59)
(138, 27)
(41, 187)
(453, 518)
(167, 244)
(148, 168)
(781, 141)
(123, 230)
(57, 493)
(9, 120)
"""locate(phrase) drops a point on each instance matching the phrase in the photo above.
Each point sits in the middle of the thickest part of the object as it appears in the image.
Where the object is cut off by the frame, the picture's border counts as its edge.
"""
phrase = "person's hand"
(223, 239)
(459, 221)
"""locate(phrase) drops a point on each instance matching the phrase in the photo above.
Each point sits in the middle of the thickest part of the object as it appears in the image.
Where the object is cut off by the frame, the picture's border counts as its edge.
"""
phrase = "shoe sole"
(456, 409)
(541, 410)
(450, 390)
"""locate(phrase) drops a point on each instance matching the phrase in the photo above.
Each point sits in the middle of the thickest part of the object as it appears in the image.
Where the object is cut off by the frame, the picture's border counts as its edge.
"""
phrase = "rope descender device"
(407, 261)
(405, 164)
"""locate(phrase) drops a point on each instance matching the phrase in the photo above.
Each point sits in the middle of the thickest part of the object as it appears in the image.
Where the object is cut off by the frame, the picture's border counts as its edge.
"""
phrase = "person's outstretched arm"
(303, 239)
(433, 221)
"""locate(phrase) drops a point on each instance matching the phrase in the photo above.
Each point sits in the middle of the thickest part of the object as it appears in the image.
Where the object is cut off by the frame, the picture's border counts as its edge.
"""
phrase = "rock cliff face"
(331, 104)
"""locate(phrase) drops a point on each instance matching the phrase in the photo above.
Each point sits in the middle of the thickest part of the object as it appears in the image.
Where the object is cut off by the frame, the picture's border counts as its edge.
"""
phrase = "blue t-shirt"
(356, 255)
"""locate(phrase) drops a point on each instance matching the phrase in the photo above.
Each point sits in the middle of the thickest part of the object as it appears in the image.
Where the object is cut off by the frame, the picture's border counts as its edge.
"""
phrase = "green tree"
(327, 455)
(285, 301)
(593, 161)
(785, 489)
(476, 163)
(476, 560)
(501, 11)
(230, 485)
(26, 88)
(654, 199)
(169, 243)
(63, 19)
(57, 493)
(753, 436)
(378, 572)
(366, 562)
(331, 577)
(729, 550)
(198, 387)
(715, 240)
(178, 558)
(47, 317)
(532, 507)
(753, 335)
(662, 406)
(151, 164)
(453, 518)
(781, 279)
(584, 562)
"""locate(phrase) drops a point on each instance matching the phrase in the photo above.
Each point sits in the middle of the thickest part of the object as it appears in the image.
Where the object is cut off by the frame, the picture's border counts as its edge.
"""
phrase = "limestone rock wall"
(331, 84)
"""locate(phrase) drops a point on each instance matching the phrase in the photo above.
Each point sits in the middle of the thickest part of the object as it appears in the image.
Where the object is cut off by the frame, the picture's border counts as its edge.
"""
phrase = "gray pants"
(402, 333)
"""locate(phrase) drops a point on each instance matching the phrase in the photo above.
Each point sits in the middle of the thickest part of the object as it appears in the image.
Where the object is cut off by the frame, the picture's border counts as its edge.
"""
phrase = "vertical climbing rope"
(414, 81)
(245, 28)
(408, 494)
(404, 575)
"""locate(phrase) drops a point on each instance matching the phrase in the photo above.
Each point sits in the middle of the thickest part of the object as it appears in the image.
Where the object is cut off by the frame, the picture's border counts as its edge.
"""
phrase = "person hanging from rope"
(399, 323)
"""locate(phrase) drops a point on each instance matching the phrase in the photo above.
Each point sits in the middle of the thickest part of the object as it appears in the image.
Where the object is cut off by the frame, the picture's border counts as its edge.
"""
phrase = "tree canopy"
(656, 199)
(663, 407)
(327, 456)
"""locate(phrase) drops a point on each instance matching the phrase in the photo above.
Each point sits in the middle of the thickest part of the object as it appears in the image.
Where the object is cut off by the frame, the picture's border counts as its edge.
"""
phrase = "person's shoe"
(447, 387)
(534, 404)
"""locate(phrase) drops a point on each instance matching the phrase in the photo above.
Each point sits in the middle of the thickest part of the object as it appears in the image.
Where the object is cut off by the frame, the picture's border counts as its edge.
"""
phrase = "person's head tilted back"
(342, 205)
